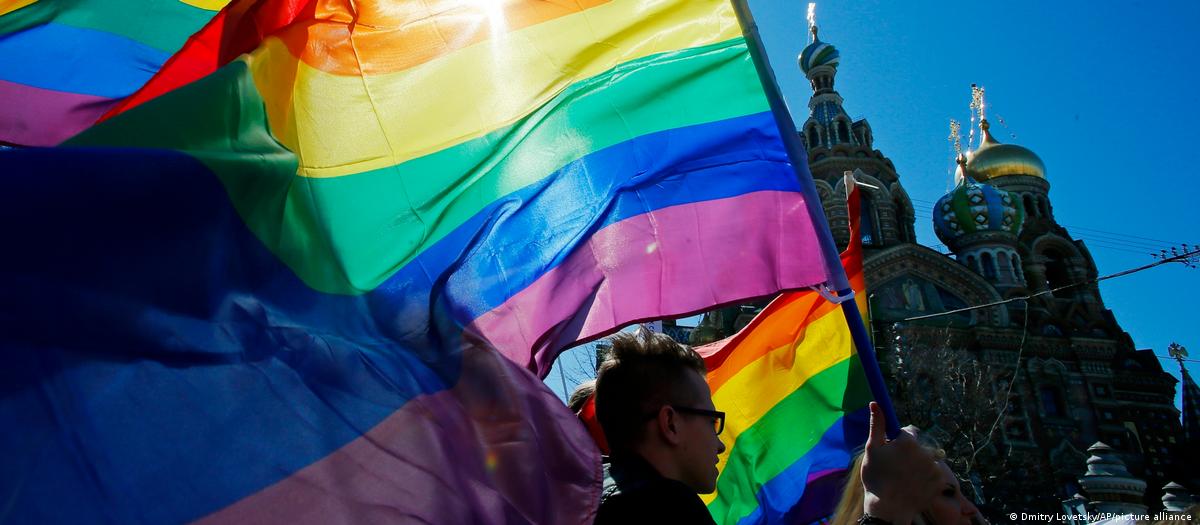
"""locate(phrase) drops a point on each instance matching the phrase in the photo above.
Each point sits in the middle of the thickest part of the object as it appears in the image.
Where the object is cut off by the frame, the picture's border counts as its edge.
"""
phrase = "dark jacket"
(635, 493)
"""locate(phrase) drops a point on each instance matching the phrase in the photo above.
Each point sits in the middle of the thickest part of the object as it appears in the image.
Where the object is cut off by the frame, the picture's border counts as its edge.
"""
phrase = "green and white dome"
(818, 53)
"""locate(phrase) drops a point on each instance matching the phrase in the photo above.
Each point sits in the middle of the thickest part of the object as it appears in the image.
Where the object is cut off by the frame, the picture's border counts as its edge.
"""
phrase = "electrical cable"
(1180, 257)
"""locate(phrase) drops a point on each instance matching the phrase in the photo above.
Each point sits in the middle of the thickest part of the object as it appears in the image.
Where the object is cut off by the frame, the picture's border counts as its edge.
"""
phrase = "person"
(657, 413)
(580, 396)
(656, 410)
(951, 506)
(850, 507)
(583, 403)
(934, 500)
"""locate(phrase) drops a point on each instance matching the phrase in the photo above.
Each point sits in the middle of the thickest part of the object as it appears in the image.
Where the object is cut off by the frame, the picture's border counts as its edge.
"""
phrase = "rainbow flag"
(795, 399)
(64, 63)
(308, 283)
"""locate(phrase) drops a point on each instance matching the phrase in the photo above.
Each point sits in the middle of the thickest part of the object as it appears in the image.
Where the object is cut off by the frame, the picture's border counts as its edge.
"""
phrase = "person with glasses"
(662, 429)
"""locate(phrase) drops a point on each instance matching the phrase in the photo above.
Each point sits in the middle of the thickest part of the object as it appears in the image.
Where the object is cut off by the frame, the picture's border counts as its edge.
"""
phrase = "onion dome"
(818, 53)
(972, 207)
(993, 159)
(1176, 498)
(1105, 462)
(1109, 485)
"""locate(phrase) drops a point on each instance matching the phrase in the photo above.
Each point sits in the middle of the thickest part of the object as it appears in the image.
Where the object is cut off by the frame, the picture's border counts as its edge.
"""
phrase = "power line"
(1093, 237)
(1125, 240)
(1180, 257)
(1124, 245)
(1101, 239)
(929, 205)
(1119, 234)
(1093, 243)
(1169, 358)
(1117, 248)
(1016, 372)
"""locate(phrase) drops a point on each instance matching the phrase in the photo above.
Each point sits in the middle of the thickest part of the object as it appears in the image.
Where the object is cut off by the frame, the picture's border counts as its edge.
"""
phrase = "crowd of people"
(651, 411)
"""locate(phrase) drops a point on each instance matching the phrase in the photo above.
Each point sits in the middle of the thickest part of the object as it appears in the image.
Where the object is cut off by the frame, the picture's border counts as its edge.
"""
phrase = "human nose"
(968, 508)
(720, 446)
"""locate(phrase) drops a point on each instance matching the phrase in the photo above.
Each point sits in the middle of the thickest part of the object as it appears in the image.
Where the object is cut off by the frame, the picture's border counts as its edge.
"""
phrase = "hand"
(900, 477)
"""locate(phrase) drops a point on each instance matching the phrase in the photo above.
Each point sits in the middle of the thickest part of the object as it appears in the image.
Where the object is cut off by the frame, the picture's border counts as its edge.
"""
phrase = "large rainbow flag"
(795, 399)
(64, 63)
(303, 274)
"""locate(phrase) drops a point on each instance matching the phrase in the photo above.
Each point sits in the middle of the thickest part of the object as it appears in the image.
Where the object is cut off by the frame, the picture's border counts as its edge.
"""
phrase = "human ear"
(668, 425)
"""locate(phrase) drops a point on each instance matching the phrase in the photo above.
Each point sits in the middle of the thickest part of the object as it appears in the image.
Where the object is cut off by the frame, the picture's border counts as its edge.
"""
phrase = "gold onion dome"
(993, 159)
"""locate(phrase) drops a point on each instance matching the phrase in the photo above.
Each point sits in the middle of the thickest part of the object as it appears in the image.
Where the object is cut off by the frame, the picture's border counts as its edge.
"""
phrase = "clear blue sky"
(1103, 92)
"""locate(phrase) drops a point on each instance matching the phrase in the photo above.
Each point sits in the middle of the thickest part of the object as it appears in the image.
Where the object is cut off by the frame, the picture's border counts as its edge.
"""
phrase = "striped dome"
(973, 207)
(818, 53)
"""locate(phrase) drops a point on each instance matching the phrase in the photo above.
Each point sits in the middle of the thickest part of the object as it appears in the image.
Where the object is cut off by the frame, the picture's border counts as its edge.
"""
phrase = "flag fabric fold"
(795, 399)
(65, 63)
(303, 275)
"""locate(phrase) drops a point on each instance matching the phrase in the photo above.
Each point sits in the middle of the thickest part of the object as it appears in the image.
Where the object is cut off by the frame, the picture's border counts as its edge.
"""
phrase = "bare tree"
(954, 397)
(579, 364)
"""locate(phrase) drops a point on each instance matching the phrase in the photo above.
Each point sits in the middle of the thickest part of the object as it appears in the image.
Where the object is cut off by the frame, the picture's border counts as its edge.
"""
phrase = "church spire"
(960, 159)
(812, 20)
(1191, 399)
(828, 125)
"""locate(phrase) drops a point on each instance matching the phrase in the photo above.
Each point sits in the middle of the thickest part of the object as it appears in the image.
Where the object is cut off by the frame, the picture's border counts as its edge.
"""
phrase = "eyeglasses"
(718, 416)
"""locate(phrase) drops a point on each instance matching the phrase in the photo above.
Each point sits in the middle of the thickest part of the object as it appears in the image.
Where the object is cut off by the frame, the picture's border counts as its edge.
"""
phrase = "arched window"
(870, 222)
(989, 266)
(902, 214)
(1042, 210)
(972, 263)
(814, 139)
(1052, 401)
(1006, 271)
(843, 132)
(1029, 208)
(1057, 275)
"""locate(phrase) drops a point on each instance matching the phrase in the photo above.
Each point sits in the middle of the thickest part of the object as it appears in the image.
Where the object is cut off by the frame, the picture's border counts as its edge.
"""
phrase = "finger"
(876, 436)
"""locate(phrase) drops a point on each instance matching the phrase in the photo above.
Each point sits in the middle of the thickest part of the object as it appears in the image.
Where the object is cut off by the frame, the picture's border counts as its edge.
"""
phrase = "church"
(1061, 376)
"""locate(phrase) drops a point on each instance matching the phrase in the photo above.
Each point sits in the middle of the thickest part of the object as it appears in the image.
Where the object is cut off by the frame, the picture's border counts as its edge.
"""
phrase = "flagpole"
(829, 252)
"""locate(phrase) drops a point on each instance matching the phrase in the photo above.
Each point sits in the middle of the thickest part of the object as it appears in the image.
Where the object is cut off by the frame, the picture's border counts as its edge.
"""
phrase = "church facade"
(1064, 374)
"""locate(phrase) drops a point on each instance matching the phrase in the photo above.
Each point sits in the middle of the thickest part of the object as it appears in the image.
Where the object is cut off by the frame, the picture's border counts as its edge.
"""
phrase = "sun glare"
(493, 12)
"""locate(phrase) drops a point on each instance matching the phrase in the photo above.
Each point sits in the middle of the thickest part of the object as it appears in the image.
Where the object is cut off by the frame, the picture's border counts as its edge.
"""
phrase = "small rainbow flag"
(304, 273)
(795, 399)
(63, 63)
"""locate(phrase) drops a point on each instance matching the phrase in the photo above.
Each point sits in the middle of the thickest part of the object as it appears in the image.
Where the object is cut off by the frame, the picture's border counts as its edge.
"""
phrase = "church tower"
(980, 223)
(1044, 258)
(836, 144)
(1014, 303)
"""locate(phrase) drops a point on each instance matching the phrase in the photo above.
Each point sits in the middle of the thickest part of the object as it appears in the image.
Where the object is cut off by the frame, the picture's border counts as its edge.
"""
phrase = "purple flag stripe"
(652, 263)
(407, 459)
(25, 118)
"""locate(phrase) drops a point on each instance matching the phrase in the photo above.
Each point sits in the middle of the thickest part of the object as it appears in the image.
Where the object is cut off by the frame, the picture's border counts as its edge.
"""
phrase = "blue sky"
(1102, 92)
